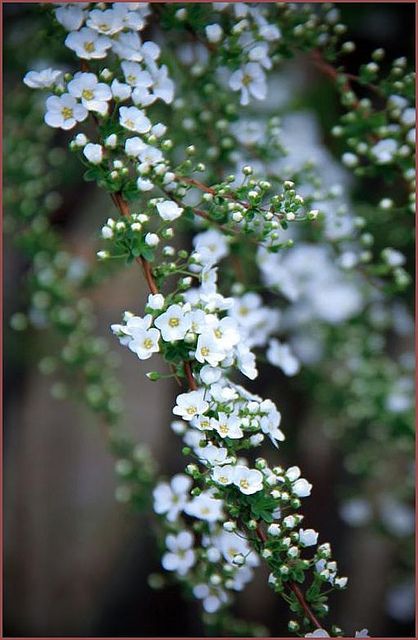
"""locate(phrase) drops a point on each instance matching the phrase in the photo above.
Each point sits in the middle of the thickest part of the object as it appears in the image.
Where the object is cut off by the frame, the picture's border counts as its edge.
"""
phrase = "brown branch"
(189, 375)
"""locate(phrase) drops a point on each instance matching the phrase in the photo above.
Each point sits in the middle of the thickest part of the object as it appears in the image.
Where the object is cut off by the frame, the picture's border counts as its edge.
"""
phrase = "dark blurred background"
(76, 562)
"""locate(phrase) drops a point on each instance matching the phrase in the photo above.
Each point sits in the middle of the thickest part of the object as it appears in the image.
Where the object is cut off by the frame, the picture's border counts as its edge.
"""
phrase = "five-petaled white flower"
(44, 79)
(280, 355)
(191, 404)
(107, 22)
(135, 75)
(251, 81)
(70, 16)
(174, 323)
(94, 95)
(145, 340)
(134, 119)
(224, 475)
(64, 111)
(247, 480)
(228, 426)
(209, 350)
(180, 556)
(88, 44)
(170, 499)
(205, 507)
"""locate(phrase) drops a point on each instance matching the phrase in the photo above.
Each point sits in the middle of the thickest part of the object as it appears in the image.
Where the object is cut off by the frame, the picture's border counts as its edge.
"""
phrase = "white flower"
(384, 150)
(93, 153)
(151, 239)
(364, 633)
(248, 481)
(163, 86)
(202, 423)
(156, 301)
(228, 426)
(250, 80)
(128, 46)
(111, 141)
(133, 146)
(259, 53)
(169, 210)
(42, 79)
(274, 529)
(138, 335)
(149, 156)
(120, 90)
(191, 404)
(180, 557)
(318, 633)
(211, 246)
(71, 16)
(80, 140)
(280, 355)
(64, 111)
(205, 507)
(224, 475)
(231, 544)
(307, 537)
(214, 32)
(392, 257)
(134, 119)
(226, 333)
(212, 455)
(108, 22)
(246, 361)
(302, 488)
(170, 499)
(341, 583)
(270, 422)
(87, 44)
(293, 473)
(94, 94)
(135, 75)
(208, 350)
(174, 323)
(144, 185)
(408, 117)
(208, 374)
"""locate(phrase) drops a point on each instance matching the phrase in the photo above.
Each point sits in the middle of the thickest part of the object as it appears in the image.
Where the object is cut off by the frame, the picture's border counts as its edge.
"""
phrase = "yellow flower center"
(130, 123)
(67, 113)
(204, 424)
(87, 94)
(148, 343)
(131, 79)
(246, 80)
(204, 511)
(204, 351)
(218, 333)
(243, 311)
(89, 47)
(104, 27)
(174, 322)
(223, 479)
(244, 484)
(191, 410)
(223, 428)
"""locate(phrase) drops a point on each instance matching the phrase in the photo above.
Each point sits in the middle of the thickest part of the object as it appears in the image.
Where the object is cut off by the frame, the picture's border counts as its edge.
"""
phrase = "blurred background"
(76, 561)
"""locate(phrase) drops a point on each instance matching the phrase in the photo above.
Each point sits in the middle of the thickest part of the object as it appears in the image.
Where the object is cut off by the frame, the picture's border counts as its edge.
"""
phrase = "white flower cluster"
(92, 36)
(253, 33)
